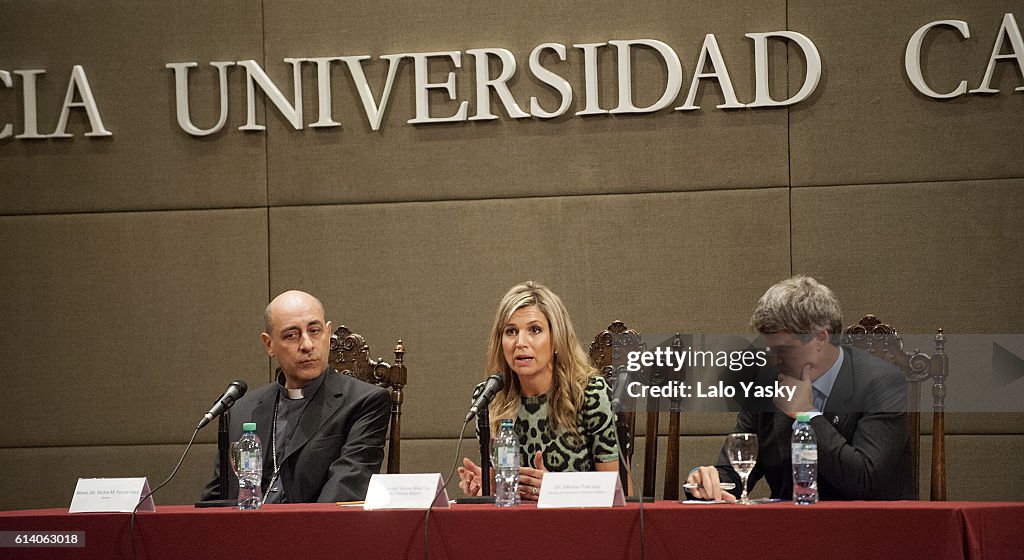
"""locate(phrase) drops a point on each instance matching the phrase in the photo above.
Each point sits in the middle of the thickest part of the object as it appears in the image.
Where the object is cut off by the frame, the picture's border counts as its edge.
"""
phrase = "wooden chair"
(885, 342)
(608, 353)
(351, 356)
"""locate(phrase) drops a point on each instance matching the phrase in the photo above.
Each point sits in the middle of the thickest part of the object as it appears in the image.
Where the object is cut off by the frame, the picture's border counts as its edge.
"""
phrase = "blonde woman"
(557, 400)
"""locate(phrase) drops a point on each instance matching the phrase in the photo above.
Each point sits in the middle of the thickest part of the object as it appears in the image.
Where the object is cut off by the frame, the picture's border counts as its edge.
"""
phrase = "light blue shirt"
(822, 386)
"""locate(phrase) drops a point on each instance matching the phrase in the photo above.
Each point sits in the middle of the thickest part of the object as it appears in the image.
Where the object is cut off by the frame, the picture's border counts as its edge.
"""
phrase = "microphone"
(491, 388)
(619, 392)
(233, 393)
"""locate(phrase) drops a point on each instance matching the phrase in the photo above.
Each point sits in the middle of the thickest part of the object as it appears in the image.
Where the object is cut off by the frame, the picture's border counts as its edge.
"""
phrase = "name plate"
(406, 491)
(93, 495)
(580, 490)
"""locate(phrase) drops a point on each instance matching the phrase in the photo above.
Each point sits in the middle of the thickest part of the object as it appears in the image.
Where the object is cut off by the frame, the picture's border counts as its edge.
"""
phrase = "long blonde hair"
(571, 365)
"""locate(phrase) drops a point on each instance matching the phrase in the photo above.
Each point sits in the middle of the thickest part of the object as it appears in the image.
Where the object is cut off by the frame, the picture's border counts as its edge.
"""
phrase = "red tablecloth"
(833, 530)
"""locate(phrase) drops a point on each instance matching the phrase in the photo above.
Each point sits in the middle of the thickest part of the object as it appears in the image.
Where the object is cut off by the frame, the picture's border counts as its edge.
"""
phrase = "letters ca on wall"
(495, 71)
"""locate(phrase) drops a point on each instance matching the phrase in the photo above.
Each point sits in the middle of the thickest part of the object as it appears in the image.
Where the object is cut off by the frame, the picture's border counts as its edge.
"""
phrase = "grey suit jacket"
(337, 445)
(863, 437)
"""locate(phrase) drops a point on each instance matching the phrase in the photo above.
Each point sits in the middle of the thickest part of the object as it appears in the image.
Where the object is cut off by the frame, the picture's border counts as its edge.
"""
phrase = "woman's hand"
(530, 478)
(470, 478)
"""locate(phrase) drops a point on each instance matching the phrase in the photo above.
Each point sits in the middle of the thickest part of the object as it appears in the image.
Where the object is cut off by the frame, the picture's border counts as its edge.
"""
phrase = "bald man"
(322, 432)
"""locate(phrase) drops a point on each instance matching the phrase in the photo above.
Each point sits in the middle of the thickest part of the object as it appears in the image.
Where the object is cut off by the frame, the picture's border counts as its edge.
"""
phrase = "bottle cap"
(803, 417)
(506, 423)
(249, 427)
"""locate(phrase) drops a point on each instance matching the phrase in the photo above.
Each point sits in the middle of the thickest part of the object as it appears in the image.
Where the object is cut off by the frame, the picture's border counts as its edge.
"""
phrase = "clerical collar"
(300, 393)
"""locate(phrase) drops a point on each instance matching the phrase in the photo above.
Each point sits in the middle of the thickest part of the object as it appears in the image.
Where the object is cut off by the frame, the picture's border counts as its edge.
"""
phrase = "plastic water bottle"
(805, 461)
(506, 466)
(249, 468)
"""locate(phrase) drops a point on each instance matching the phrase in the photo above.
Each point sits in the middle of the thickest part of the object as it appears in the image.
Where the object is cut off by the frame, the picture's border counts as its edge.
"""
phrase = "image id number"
(10, 539)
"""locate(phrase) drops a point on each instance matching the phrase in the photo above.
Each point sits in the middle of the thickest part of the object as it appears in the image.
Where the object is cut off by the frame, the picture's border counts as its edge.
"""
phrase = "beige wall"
(135, 267)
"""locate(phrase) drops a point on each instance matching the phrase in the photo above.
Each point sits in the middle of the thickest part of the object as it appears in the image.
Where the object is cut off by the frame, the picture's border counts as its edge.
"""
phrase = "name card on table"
(406, 491)
(93, 495)
(580, 490)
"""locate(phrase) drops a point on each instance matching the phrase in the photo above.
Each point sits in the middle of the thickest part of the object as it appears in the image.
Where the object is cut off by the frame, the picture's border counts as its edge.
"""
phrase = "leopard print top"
(594, 441)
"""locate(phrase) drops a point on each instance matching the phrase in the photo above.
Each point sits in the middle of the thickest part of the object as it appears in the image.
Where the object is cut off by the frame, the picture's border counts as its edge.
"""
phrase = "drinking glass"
(742, 450)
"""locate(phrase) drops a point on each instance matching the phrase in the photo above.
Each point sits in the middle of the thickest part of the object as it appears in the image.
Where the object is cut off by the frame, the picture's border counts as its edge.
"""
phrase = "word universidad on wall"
(710, 66)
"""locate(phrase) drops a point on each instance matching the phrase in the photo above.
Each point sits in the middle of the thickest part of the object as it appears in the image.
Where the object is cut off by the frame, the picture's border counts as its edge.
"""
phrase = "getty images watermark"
(737, 372)
(676, 360)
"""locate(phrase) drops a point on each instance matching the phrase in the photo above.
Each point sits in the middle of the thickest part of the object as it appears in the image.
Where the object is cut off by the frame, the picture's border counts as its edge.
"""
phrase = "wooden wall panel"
(148, 163)
(123, 328)
(866, 123)
(507, 158)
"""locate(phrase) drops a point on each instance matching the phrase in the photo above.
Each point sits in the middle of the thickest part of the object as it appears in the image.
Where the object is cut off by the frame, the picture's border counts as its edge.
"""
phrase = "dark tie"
(818, 399)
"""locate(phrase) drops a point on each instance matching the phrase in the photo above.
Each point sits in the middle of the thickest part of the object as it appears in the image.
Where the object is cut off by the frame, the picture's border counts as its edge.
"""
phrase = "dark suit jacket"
(337, 445)
(863, 438)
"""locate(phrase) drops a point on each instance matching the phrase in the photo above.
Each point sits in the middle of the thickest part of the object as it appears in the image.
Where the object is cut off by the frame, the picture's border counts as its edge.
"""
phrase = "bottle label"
(250, 460)
(805, 453)
(506, 457)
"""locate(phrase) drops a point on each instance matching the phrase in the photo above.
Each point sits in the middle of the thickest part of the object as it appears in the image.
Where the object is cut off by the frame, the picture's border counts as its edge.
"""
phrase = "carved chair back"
(351, 356)
(609, 354)
(885, 342)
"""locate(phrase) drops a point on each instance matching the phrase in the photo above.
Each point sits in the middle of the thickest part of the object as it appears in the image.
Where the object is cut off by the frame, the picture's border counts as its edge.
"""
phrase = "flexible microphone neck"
(234, 392)
(494, 384)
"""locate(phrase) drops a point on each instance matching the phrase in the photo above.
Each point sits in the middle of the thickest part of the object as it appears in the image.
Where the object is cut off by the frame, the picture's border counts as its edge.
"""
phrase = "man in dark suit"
(322, 432)
(857, 404)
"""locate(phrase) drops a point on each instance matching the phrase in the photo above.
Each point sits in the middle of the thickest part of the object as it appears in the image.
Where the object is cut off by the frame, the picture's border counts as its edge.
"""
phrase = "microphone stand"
(622, 441)
(222, 451)
(483, 424)
(622, 433)
(224, 466)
